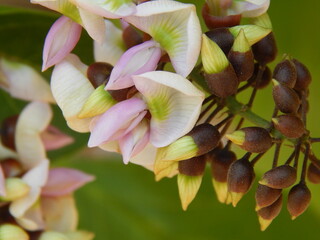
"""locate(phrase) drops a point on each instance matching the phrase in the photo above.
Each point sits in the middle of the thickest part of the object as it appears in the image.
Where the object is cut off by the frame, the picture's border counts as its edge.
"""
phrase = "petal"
(32, 219)
(108, 8)
(135, 141)
(6, 152)
(23, 82)
(2, 183)
(34, 119)
(63, 181)
(112, 47)
(71, 89)
(146, 157)
(175, 26)
(138, 59)
(80, 235)
(114, 122)
(60, 41)
(174, 104)
(37, 176)
(53, 138)
(60, 213)
(249, 8)
(111, 146)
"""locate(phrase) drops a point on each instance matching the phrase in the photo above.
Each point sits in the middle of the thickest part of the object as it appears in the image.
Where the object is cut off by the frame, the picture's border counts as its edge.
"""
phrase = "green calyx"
(253, 33)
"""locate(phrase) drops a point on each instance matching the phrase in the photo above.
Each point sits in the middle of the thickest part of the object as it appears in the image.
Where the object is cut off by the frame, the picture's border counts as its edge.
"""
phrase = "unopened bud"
(53, 236)
(289, 125)
(253, 33)
(267, 214)
(303, 76)
(8, 129)
(131, 37)
(240, 178)
(252, 139)
(12, 232)
(265, 196)
(265, 50)
(15, 189)
(188, 188)
(285, 98)
(285, 72)
(222, 37)
(11, 167)
(193, 167)
(98, 73)
(265, 78)
(280, 177)
(298, 200)
(313, 174)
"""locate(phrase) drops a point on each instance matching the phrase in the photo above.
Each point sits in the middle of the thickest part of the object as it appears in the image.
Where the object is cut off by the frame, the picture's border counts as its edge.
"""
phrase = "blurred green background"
(125, 202)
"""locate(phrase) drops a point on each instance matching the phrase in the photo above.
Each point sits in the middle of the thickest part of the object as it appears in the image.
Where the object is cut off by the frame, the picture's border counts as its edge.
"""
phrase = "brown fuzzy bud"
(280, 177)
(11, 167)
(285, 73)
(298, 200)
(265, 79)
(289, 125)
(265, 51)
(131, 37)
(98, 73)
(265, 196)
(252, 139)
(222, 37)
(240, 178)
(193, 167)
(303, 76)
(267, 214)
(285, 98)
(8, 129)
(219, 21)
(224, 83)
(120, 95)
(313, 174)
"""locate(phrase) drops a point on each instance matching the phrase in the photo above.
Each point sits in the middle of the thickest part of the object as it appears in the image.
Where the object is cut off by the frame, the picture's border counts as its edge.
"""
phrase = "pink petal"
(2, 183)
(61, 39)
(63, 181)
(113, 123)
(137, 60)
(53, 138)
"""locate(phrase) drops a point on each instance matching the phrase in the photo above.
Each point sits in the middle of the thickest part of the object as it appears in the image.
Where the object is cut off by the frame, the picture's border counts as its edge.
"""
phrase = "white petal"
(24, 82)
(146, 157)
(6, 152)
(32, 219)
(249, 8)
(71, 89)
(34, 119)
(112, 47)
(174, 104)
(112, 146)
(175, 26)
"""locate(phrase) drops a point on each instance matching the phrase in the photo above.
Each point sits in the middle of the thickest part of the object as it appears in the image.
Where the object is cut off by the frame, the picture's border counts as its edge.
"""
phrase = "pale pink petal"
(60, 213)
(135, 141)
(115, 121)
(2, 183)
(63, 181)
(53, 138)
(146, 157)
(60, 41)
(138, 59)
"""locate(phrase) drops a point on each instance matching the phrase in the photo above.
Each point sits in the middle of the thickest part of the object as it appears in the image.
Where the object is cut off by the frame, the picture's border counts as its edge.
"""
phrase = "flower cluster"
(145, 98)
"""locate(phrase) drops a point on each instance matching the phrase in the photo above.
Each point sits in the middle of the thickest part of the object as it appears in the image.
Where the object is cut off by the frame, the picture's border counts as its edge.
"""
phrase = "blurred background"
(125, 202)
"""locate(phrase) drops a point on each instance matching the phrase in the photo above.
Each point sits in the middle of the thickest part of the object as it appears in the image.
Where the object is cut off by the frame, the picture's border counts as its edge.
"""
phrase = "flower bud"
(53, 236)
(131, 37)
(285, 73)
(253, 33)
(313, 174)
(192, 167)
(251, 139)
(98, 73)
(222, 37)
(267, 214)
(15, 188)
(240, 178)
(280, 177)
(8, 129)
(11, 167)
(303, 76)
(285, 98)
(265, 50)
(265, 196)
(265, 78)
(298, 200)
(241, 57)
(12, 232)
(289, 125)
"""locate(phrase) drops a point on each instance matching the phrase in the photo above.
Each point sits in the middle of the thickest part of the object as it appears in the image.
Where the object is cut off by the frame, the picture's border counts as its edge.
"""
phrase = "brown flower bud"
(267, 214)
(298, 200)
(285, 98)
(11, 167)
(265, 79)
(265, 51)
(193, 167)
(303, 76)
(98, 73)
(265, 196)
(285, 73)
(313, 174)
(219, 21)
(222, 37)
(252, 139)
(240, 178)
(131, 37)
(289, 125)
(8, 129)
(121, 94)
(280, 177)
